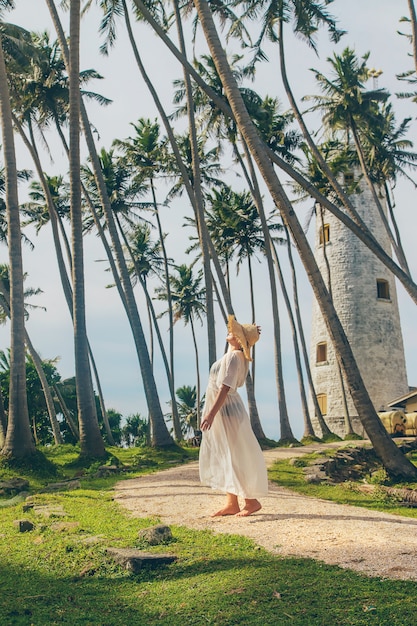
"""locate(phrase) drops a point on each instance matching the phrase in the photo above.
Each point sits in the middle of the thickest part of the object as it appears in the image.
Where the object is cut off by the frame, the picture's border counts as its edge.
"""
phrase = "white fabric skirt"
(231, 459)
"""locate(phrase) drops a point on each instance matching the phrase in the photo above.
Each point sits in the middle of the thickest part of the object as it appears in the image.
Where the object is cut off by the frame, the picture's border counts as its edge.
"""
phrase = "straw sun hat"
(246, 334)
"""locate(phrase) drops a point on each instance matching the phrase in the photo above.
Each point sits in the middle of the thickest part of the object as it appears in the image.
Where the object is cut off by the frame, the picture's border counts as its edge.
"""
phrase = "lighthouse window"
(382, 287)
(348, 177)
(321, 353)
(324, 234)
(322, 402)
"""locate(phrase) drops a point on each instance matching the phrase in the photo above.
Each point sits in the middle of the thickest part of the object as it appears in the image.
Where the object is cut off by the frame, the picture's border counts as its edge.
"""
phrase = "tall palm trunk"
(56, 431)
(67, 415)
(91, 441)
(197, 370)
(19, 442)
(413, 21)
(325, 430)
(393, 459)
(286, 434)
(3, 422)
(160, 434)
(308, 427)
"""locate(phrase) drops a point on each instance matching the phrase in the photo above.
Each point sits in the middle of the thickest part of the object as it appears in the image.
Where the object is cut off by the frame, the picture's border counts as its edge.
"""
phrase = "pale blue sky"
(372, 26)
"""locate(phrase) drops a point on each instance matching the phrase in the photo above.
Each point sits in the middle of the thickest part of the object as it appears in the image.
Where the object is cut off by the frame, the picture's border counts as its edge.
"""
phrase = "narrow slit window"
(324, 236)
(321, 352)
(382, 287)
(322, 402)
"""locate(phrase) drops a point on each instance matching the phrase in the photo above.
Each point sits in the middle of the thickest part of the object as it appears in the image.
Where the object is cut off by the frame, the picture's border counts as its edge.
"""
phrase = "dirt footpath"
(289, 524)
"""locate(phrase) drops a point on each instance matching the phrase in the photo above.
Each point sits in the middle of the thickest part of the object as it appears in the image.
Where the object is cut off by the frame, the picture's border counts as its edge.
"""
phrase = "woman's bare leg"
(231, 508)
(251, 506)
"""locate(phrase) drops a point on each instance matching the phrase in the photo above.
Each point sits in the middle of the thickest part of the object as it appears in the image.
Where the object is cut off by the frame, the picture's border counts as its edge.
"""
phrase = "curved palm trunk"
(250, 378)
(67, 415)
(197, 369)
(3, 422)
(56, 224)
(413, 21)
(46, 391)
(325, 430)
(286, 434)
(199, 201)
(398, 250)
(308, 427)
(175, 416)
(19, 442)
(160, 434)
(393, 459)
(91, 441)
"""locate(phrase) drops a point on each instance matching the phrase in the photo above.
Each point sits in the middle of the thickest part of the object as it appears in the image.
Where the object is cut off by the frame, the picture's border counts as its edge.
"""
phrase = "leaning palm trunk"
(396, 245)
(66, 284)
(325, 430)
(19, 442)
(3, 421)
(308, 426)
(160, 434)
(197, 369)
(413, 21)
(393, 459)
(91, 441)
(46, 391)
(199, 200)
(66, 413)
(286, 434)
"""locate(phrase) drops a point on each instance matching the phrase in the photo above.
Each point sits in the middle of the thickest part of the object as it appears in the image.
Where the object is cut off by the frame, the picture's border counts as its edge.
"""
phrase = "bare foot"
(251, 506)
(228, 510)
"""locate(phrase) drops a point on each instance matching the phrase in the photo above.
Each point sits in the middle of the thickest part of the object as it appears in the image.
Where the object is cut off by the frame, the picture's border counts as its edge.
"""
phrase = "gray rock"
(155, 535)
(133, 560)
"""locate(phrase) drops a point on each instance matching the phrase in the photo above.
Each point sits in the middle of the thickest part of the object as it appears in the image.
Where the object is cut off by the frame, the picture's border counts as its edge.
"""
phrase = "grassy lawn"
(59, 573)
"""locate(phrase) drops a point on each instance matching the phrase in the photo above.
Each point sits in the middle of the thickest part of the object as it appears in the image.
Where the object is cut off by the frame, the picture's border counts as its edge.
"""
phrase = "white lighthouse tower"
(365, 298)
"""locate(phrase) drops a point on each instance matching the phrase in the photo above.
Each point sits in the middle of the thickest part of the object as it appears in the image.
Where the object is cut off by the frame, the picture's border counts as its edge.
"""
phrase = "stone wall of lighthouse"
(365, 298)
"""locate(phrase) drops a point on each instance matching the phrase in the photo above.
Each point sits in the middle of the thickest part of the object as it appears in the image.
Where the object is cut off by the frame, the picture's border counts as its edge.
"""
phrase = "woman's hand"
(207, 422)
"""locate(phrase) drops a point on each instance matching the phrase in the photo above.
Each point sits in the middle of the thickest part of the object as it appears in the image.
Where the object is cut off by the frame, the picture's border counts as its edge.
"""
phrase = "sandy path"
(374, 543)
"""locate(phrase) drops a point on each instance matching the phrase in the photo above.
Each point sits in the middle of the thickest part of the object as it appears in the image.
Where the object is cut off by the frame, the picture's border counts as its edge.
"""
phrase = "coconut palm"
(37, 362)
(160, 434)
(394, 461)
(188, 298)
(19, 441)
(188, 410)
(146, 153)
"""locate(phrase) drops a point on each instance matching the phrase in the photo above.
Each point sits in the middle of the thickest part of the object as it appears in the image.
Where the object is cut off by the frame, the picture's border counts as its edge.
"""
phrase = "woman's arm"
(218, 403)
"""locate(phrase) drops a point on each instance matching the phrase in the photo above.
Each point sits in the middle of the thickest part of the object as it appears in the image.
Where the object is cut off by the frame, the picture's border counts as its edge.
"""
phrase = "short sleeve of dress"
(232, 370)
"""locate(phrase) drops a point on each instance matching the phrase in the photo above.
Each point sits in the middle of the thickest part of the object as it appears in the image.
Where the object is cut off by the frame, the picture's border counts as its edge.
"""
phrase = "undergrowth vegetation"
(60, 572)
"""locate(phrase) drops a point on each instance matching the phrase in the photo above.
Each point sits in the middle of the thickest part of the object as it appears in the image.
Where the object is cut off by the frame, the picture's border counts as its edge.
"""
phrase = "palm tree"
(37, 362)
(19, 442)
(188, 410)
(91, 441)
(187, 297)
(160, 434)
(393, 459)
(145, 152)
(349, 107)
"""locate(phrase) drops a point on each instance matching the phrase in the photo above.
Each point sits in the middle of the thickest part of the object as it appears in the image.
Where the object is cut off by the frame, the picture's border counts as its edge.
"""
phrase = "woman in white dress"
(231, 459)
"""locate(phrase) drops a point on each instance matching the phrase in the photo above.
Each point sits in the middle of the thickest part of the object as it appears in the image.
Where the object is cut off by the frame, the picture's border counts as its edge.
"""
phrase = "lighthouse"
(365, 298)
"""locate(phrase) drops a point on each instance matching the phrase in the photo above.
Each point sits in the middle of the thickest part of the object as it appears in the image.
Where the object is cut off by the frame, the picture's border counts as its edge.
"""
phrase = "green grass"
(292, 476)
(59, 573)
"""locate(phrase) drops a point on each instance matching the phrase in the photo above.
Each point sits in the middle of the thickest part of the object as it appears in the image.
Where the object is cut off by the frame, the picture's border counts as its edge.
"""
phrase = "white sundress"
(231, 459)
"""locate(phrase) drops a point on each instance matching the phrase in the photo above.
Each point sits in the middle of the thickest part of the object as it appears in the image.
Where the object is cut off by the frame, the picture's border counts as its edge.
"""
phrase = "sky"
(371, 26)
